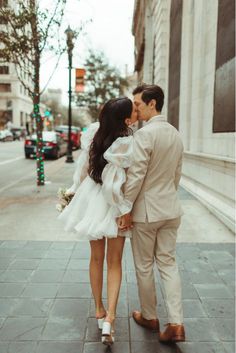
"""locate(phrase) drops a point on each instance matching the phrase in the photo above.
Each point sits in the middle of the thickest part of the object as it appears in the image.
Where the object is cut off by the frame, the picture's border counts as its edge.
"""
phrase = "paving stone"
(11, 289)
(63, 245)
(213, 291)
(229, 347)
(13, 244)
(58, 254)
(4, 263)
(2, 319)
(80, 254)
(40, 290)
(4, 347)
(83, 245)
(93, 333)
(200, 347)
(217, 256)
(69, 308)
(219, 307)
(138, 333)
(32, 307)
(30, 264)
(47, 276)
(22, 329)
(153, 347)
(15, 276)
(193, 309)
(8, 253)
(53, 264)
(200, 330)
(64, 329)
(38, 245)
(118, 347)
(225, 329)
(78, 264)
(60, 347)
(6, 306)
(189, 291)
(22, 347)
(76, 276)
(78, 290)
(228, 276)
(197, 266)
(28, 253)
(204, 277)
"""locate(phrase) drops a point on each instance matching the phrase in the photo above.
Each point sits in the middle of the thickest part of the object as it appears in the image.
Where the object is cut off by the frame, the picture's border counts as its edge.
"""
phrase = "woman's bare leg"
(115, 248)
(96, 274)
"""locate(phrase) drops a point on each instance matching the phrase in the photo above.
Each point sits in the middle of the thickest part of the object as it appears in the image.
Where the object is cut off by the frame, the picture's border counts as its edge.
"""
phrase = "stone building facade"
(187, 47)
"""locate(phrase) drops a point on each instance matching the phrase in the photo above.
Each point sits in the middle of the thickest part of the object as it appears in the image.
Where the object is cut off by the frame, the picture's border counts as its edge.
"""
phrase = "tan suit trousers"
(156, 242)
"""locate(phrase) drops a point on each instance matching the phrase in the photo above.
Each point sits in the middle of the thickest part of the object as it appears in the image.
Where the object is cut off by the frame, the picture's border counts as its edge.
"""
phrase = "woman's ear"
(128, 121)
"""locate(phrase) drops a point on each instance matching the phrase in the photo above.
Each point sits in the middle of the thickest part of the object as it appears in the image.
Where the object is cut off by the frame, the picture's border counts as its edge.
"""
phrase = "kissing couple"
(125, 186)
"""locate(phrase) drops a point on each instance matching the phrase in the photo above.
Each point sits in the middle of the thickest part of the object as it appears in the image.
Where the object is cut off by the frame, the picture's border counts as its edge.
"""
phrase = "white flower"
(59, 207)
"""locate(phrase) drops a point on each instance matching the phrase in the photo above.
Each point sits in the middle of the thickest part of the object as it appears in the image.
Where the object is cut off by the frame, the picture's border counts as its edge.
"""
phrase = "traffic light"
(47, 113)
(79, 80)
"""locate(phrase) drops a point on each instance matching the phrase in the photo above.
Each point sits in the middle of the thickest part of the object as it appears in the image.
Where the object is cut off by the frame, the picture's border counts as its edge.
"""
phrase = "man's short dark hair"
(150, 92)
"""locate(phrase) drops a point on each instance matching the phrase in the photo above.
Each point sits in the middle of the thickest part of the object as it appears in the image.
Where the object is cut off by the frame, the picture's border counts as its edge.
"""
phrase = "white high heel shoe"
(107, 334)
(100, 322)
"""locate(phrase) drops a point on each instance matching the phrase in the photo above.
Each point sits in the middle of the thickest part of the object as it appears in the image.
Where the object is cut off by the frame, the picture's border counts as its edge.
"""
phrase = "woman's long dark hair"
(112, 125)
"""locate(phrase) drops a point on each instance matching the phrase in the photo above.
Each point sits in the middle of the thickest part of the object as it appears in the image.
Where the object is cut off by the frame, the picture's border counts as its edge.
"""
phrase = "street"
(14, 166)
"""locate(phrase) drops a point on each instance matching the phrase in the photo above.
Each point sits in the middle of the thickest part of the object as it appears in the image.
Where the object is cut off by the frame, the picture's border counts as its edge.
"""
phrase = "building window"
(5, 87)
(4, 70)
(224, 106)
(21, 119)
(174, 62)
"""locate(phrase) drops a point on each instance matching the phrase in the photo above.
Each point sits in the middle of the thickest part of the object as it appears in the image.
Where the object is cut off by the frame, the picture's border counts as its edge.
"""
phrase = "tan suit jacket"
(153, 178)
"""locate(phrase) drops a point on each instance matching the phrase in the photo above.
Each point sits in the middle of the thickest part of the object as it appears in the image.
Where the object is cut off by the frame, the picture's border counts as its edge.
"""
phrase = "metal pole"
(69, 158)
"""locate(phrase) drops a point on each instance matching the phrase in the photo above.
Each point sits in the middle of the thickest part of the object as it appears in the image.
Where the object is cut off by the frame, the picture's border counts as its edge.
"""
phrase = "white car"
(6, 135)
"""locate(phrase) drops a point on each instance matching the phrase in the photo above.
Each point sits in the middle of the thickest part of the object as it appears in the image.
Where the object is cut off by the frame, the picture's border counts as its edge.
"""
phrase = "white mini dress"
(93, 211)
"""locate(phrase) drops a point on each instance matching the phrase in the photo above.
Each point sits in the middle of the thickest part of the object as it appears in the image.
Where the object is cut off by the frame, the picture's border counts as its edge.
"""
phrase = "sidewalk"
(45, 296)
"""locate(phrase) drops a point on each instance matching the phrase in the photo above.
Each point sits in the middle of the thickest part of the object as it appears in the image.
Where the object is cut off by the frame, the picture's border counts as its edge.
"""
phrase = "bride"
(98, 201)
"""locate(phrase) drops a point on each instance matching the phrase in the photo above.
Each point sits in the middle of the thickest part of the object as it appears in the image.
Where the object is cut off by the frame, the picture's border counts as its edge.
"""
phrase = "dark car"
(75, 134)
(53, 145)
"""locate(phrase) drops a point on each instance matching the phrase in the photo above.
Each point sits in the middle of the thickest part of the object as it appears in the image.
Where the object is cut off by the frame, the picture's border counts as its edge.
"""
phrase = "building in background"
(188, 48)
(15, 103)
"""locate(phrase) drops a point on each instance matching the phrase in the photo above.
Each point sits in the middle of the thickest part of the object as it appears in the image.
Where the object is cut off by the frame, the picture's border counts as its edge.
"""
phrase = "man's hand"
(125, 222)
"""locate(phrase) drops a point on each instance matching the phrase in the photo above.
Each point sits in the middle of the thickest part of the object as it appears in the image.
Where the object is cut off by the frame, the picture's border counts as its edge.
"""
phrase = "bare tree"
(28, 31)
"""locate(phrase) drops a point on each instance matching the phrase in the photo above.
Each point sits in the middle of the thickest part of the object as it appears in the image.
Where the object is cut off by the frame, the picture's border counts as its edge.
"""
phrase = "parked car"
(75, 134)
(53, 144)
(6, 135)
(18, 133)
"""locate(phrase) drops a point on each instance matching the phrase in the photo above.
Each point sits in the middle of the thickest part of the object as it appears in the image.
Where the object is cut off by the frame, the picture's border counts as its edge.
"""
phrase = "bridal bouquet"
(64, 199)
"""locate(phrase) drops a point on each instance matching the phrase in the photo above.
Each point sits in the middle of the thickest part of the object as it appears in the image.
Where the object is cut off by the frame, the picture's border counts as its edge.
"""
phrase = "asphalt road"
(14, 167)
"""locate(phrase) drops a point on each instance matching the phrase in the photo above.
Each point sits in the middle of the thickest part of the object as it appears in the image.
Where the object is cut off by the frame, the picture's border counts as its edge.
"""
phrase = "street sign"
(79, 80)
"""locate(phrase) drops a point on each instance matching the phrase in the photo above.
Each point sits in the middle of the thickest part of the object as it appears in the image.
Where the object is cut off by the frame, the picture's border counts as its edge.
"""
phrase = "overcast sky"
(109, 31)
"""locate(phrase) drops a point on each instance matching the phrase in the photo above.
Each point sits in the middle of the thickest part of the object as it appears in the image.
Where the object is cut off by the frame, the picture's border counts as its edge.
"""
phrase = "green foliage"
(102, 81)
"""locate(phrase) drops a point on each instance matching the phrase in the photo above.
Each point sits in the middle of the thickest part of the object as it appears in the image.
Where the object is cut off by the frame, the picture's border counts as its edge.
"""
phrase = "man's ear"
(153, 103)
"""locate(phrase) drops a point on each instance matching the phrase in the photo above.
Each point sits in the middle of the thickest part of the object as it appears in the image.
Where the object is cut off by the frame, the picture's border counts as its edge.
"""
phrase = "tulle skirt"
(89, 215)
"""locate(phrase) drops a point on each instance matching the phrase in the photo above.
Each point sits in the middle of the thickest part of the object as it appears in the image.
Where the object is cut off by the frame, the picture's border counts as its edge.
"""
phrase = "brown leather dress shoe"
(152, 325)
(173, 333)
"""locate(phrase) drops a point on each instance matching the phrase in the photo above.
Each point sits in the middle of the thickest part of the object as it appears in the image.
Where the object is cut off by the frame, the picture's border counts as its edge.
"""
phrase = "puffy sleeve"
(119, 157)
(81, 167)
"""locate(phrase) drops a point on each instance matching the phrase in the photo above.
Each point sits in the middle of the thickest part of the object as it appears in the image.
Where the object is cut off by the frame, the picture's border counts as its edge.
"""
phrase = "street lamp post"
(69, 36)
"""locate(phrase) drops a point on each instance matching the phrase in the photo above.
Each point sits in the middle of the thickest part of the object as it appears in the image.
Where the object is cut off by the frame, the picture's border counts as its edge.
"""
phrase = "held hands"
(125, 222)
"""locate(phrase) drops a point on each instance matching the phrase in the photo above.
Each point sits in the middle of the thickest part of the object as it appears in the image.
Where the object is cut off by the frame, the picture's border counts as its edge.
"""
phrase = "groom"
(151, 187)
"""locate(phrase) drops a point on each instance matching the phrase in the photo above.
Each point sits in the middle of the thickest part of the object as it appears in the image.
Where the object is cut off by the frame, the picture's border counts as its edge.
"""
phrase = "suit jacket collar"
(156, 118)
